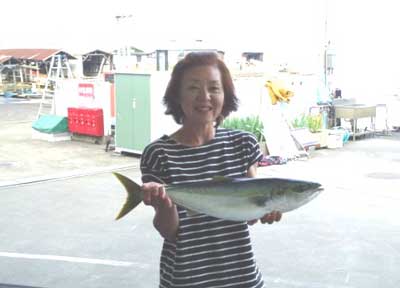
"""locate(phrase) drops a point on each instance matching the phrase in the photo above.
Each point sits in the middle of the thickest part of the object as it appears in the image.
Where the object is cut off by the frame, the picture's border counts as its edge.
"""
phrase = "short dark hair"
(194, 59)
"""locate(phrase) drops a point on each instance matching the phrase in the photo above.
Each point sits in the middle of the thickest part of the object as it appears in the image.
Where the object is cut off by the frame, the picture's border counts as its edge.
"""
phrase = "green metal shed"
(140, 116)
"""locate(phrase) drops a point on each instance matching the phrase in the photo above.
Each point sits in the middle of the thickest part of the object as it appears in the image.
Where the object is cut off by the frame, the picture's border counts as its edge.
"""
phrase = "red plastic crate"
(86, 121)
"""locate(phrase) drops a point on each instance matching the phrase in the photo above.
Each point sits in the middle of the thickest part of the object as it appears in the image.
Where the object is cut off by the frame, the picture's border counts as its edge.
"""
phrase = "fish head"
(306, 187)
(291, 194)
(303, 192)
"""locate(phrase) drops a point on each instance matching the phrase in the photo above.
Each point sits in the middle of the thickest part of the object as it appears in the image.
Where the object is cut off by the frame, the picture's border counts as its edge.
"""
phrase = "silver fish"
(237, 199)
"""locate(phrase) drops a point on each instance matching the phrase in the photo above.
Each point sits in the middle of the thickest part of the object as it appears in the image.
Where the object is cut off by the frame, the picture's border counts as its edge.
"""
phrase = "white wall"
(67, 95)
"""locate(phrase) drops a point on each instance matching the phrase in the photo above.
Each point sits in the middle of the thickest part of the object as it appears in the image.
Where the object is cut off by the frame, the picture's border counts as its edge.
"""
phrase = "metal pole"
(326, 44)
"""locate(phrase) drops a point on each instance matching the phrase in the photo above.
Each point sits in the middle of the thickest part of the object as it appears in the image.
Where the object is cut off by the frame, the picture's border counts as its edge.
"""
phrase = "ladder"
(59, 69)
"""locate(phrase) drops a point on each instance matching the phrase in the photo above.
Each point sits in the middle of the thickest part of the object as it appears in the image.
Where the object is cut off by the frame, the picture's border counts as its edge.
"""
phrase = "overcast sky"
(282, 25)
(70, 24)
(364, 33)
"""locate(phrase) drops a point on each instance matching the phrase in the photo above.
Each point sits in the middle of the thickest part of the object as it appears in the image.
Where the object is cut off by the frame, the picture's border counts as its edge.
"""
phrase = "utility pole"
(123, 20)
(326, 45)
(329, 53)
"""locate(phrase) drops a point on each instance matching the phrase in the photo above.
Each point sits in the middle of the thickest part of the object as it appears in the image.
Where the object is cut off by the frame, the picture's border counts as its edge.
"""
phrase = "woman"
(200, 250)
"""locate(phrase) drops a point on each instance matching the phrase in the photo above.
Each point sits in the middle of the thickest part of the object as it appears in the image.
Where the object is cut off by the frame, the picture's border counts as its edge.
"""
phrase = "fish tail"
(134, 194)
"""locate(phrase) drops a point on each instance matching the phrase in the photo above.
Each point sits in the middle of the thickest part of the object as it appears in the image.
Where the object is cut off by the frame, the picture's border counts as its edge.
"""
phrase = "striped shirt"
(208, 252)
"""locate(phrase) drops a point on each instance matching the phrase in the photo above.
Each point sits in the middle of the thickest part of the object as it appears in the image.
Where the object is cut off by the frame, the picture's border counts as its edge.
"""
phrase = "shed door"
(133, 111)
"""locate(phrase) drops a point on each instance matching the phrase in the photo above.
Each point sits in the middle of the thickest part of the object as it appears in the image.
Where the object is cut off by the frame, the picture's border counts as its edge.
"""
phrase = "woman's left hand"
(274, 216)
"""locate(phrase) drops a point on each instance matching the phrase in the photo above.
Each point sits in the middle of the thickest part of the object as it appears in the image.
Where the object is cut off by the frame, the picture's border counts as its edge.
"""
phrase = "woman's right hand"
(154, 195)
(166, 219)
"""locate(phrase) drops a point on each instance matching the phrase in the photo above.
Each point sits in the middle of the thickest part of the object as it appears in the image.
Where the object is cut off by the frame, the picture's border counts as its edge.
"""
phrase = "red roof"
(31, 54)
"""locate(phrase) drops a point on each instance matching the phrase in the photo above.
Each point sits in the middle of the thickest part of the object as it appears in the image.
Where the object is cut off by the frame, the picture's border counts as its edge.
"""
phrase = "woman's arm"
(267, 218)
(252, 171)
(166, 219)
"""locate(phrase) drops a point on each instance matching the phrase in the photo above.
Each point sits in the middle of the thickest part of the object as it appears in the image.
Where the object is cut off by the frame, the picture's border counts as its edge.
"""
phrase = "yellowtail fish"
(236, 199)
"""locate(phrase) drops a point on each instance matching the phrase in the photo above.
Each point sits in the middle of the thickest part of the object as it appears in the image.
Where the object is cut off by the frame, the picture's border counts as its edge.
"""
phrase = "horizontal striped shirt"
(208, 252)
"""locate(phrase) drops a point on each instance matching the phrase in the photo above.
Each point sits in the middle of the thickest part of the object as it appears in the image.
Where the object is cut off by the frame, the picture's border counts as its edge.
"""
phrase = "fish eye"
(307, 187)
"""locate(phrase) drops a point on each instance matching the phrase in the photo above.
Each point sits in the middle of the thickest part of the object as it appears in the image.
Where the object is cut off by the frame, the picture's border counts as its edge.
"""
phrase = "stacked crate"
(86, 121)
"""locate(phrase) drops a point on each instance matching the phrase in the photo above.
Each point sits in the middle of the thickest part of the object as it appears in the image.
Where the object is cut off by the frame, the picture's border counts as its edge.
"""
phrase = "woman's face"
(202, 95)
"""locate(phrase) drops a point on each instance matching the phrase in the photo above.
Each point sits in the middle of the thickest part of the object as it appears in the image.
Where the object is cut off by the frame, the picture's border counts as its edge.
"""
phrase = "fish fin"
(134, 194)
(191, 212)
(221, 179)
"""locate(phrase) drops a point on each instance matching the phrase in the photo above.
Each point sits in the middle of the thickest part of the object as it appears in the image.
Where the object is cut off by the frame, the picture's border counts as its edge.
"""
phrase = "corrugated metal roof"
(32, 54)
(4, 58)
(97, 51)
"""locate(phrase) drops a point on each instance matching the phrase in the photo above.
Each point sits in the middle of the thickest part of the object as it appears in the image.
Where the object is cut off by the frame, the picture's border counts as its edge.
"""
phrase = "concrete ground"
(24, 160)
(58, 202)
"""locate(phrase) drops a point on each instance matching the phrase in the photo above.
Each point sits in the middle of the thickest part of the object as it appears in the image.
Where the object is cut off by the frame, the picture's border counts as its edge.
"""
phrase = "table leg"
(354, 129)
